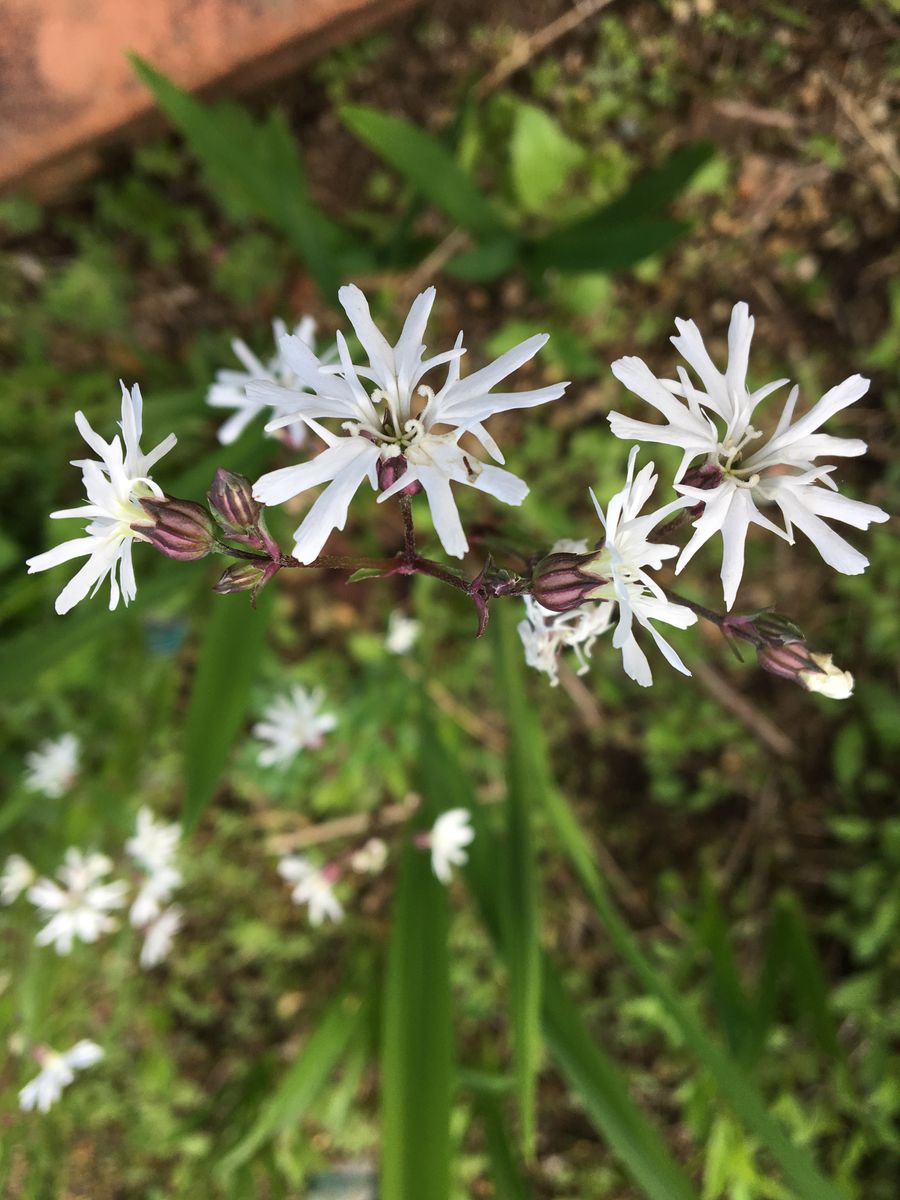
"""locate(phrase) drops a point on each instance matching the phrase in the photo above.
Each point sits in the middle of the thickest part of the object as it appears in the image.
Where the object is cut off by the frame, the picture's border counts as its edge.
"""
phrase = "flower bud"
(181, 529)
(559, 582)
(247, 576)
(231, 499)
(763, 628)
(390, 470)
(813, 671)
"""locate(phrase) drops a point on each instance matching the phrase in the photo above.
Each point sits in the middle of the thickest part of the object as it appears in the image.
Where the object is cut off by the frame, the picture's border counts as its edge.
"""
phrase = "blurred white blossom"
(451, 832)
(79, 905)
(386, 413)
(114, 485)
(153, 846)
(159, 936)
(312, 886)
(56, 1073)
(713, 422)
(53, 766)
(230, 387)
(622, 564)
(545, 634)
(18, 875)
(370, 858)
(402, 633)
(290, 724)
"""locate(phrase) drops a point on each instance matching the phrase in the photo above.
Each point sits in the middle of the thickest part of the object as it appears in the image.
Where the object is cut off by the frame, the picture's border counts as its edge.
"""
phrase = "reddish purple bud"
(247, 576)
(390, 470)
(560, 583)
(763, 628)
(707, 477)
(181, 530)
(231, 499)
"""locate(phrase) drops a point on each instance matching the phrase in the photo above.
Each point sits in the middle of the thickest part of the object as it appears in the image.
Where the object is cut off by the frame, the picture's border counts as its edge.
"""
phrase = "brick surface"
(67, 89)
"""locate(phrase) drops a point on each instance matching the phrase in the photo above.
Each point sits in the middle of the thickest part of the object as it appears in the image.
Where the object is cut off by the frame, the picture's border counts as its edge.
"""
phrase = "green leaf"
(509, 1181)
(427, 166)
(365, 573)
(486, 261)
(653, 191)
(737, 1015)
(253, 169)
(304, 1082)
(602, 1090)
(519, 890)
(541, 157)
(734, 1084)
(233, 639)
(417, 1040)
(598, 244)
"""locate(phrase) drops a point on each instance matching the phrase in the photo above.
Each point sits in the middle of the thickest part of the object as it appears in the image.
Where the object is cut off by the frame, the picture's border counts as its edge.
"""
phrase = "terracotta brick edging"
(67, 88)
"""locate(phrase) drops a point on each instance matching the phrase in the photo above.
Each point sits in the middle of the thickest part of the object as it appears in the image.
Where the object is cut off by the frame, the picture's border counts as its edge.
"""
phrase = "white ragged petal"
(277, 486)
(480, 407)
(64, 552)
(330, 510)
(444, 513)
(499, 483)
(83, 1054)
(91, 575)
(690, 345)
(740, 337)
(372, 340)
(479, 383)
(801, 506)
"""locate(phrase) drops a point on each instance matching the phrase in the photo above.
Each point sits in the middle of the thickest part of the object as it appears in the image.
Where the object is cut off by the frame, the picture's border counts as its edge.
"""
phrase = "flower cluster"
(80, 904)
(409, 420)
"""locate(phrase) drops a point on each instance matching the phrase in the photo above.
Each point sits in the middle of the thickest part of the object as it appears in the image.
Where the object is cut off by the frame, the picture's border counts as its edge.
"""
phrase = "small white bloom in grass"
(402, 633)
(154, 843)
(370, 859)
(78, 907)
(159, 937)
(290, 724)
(622, 563)
(18, 875)
(114, 487)
(713, 422)
(230, 388)
(451, 832)
(56, 1073)
(312, 886)
(53, 766)
(393, 423)
(154, 891)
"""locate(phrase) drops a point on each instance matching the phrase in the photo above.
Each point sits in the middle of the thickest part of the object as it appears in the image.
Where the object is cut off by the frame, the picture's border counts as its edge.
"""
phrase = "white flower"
(402, 633)
(292, 723)
(313, 887)
(56, 1073)
(229, 390)
(449, 834)
(622, 562)
(400, 418)
(18, 874)
(829, 680)
(159, 937)
(113, 486)
(545, 633)
(80, 908)
(52, 768)
(370, 858)
(713, 422)
(154, 843)
(155, 890)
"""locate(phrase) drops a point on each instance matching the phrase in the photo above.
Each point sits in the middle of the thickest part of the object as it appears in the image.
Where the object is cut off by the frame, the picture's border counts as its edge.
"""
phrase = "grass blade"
(253, 169)
(509, 1182)
(417, 1038)
(304, 1082)
(427, 165)
(229, 657)
(519, 892)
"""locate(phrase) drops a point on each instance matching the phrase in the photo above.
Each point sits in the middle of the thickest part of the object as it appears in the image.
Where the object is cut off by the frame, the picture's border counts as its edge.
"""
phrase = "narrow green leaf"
(600, 1087)
(509, 1181)
(653, 191)
(733, 1083)
(425, 164)
(486, 261)
(304, 1082)
(253, 169)
(233, 639)
(592, 1075)
(365, 573)
(519, 909)
(417, 1039)
(736, 1014)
